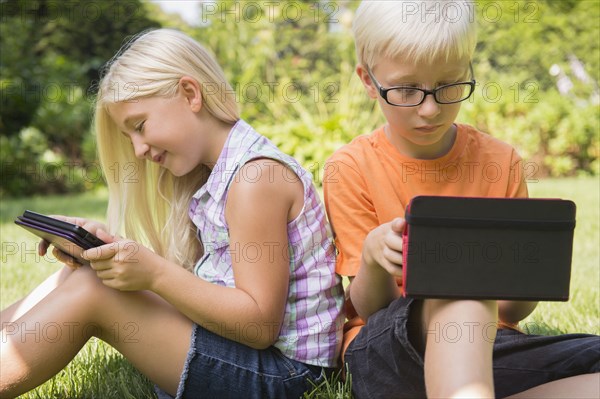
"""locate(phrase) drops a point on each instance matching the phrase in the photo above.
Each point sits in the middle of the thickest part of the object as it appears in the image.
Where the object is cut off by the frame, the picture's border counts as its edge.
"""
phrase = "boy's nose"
(429, 108)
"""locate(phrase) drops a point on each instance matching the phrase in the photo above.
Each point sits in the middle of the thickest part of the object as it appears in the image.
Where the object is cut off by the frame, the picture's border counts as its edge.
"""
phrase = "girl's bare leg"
(458, 337)
(142, 326)
(19, 308)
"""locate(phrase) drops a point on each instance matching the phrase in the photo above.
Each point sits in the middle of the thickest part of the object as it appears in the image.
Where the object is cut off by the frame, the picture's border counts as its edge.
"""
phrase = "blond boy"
(415, 59)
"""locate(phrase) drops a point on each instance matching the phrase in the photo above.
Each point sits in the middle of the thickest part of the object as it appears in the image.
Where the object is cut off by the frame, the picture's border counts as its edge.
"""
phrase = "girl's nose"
(140, 148)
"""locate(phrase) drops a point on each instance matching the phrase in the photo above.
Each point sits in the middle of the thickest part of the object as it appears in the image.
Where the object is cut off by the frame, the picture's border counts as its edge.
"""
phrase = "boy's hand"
(376, 283)
(122, 264)
(383, 247)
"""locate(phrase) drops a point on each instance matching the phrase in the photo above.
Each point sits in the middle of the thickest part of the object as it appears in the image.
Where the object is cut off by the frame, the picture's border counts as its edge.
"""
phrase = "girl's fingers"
(70, 219)
(81, 222)
(104, 274)
(100, 253)
(66, 258)
(101, 265)
(43, 247)
(106, 237)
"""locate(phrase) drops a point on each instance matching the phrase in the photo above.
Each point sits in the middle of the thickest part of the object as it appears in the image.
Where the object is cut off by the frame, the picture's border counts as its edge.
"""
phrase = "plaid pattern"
(311, 330)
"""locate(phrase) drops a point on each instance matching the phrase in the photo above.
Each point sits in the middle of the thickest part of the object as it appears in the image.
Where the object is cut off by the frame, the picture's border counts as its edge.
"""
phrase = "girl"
(260, 315)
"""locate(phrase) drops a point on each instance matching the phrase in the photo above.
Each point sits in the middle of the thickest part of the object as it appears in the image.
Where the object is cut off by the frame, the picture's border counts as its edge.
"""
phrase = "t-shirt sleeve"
(350, 210)
(517, 187)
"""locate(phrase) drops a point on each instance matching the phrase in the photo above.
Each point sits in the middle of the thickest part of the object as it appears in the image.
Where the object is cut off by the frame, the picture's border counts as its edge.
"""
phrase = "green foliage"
(295, 80)
(291, 65)
(551, 135)
(293, 76)
(29, 166)
(517, 99)
(51, 56)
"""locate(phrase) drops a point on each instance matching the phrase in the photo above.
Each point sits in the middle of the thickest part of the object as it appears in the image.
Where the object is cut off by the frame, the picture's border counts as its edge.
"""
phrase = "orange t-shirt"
(368, 182)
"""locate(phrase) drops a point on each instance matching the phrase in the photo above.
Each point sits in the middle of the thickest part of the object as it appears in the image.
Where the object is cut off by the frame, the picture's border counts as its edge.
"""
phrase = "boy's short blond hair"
(419, 31)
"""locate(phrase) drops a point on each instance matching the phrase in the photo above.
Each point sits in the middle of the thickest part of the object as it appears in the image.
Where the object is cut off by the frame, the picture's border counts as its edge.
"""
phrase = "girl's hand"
(123, 264)
(383, 247)
(89, 225)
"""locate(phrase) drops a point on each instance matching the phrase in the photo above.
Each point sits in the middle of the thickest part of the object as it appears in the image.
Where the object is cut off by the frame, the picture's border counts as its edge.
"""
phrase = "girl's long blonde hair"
(147, 203)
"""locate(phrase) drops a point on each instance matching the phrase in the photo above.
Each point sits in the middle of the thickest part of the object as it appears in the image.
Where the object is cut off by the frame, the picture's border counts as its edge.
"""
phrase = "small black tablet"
(68, 237)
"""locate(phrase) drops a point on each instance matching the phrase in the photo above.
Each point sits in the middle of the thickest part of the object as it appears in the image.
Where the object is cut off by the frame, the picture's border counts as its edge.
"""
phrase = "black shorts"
(384, 363)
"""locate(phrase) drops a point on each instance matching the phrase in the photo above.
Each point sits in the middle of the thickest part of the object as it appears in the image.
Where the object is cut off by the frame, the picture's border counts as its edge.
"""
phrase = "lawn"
(100, 372)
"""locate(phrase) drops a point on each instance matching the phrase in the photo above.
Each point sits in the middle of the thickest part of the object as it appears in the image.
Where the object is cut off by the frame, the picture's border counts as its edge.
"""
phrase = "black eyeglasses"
(407, 96)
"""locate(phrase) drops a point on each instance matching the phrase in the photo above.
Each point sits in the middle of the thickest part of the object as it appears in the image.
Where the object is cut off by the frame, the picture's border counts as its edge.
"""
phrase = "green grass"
(582, 312)
(100, 372)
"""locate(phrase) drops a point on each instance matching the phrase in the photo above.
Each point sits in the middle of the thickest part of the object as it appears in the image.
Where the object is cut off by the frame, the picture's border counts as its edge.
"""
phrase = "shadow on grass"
(540, 328)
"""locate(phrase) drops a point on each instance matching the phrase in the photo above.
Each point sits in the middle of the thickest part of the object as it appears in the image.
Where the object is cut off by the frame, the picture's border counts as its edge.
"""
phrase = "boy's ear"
(190, 88)
(362, 73)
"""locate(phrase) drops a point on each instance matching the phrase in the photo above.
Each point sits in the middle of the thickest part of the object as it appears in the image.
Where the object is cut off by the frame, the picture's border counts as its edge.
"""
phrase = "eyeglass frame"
(384, 91)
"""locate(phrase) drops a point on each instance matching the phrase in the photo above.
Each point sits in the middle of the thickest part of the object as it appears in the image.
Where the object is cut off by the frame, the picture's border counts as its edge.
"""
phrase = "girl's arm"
(257, 212)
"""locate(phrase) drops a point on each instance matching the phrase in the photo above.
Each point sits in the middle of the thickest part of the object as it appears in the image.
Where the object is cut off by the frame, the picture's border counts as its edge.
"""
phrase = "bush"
(556, 136)
(30, 166)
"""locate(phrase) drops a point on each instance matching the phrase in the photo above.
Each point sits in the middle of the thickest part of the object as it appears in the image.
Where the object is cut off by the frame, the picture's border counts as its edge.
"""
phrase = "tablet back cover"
(488, 248)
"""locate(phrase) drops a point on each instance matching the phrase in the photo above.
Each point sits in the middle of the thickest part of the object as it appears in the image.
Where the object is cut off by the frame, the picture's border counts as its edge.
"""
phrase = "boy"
(415, 59)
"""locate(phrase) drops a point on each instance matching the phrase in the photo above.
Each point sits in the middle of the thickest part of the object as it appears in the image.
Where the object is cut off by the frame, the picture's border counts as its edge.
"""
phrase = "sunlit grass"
(582, 312)
(101, 372)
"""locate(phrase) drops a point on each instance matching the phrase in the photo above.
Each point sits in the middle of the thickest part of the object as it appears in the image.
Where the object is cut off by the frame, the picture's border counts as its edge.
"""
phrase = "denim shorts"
(217, 367)
(385, 364)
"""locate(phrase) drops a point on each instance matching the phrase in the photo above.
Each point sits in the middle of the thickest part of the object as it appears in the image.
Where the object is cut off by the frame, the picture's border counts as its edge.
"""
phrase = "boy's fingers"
(394, 241)
(398, 225)
(393, 256)
(393, 269)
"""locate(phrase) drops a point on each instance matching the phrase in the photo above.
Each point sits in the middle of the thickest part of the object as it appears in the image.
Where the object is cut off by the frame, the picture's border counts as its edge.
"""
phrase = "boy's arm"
(375, 285)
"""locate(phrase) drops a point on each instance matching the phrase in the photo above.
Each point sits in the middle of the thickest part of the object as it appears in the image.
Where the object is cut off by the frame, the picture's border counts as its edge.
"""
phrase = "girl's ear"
(362, 73)
(190, 89)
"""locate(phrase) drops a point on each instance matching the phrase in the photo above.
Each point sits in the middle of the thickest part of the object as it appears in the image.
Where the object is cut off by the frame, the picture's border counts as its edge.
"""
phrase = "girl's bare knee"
(85, 284)
(64, 273)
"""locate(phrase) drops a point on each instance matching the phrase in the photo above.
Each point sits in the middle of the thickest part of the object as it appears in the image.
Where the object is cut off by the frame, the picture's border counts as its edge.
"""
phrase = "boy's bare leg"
(142, 326)
(580, 387)
(22, 306)
(459, 338)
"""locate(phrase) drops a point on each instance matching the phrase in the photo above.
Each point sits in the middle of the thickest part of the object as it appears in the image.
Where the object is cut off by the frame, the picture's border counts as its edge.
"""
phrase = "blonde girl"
(227, 271)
